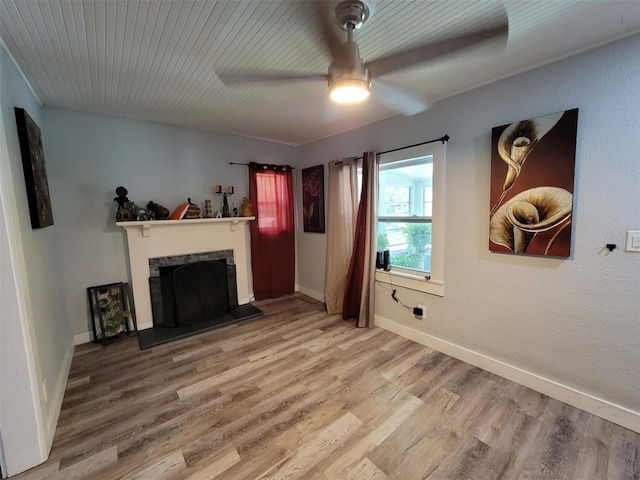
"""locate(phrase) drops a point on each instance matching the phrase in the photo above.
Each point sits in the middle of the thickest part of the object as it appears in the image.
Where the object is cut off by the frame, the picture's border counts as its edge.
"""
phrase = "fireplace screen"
(200, 291)
(194, 292)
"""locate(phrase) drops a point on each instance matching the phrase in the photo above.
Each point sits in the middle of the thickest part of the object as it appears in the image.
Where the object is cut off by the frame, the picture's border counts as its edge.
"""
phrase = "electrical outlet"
(45, 393)
(424, 311)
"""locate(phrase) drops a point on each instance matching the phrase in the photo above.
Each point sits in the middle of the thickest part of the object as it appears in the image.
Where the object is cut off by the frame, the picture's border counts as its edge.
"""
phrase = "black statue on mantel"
(225, 206)
(124, 212)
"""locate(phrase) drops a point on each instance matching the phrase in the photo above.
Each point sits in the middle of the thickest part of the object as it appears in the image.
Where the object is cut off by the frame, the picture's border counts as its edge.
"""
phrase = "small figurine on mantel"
(246, 207)
(159, 212)
(123, 213)
(225, 206)
(139, 214)
(193, 211)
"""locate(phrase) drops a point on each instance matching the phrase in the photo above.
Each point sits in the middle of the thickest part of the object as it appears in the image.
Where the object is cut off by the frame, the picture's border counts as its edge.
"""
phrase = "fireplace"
(187, 289)
(190, 293)
(170, 244)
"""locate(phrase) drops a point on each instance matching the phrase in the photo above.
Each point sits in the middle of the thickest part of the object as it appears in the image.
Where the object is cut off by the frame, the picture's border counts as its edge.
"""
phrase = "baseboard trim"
(80, 338)
(315, 294)
(55, 402)
(602, 408)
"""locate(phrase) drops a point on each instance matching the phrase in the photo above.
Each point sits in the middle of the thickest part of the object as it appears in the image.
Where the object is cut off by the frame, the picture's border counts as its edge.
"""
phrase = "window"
(396, 200)
(410, 216)
(404, 225)
(272, 205)
(428, 200)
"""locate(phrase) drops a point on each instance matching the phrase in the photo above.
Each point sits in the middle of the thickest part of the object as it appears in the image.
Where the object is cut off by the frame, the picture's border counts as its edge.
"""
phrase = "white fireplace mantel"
(162, 238)
(145, 226)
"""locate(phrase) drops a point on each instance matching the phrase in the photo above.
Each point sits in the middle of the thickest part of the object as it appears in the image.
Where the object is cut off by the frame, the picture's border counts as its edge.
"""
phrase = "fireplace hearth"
(191, 294)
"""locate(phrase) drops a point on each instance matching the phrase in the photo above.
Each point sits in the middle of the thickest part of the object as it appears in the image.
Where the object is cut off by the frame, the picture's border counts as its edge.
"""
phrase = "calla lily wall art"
(532, 181)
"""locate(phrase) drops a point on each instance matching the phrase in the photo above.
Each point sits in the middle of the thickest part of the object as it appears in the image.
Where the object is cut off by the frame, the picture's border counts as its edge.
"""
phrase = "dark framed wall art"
(35, 171)
(532, 185)
(112, 312)
(313, 199)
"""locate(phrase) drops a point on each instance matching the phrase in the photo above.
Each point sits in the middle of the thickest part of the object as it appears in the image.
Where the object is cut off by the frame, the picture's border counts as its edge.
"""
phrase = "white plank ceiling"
(157, 60)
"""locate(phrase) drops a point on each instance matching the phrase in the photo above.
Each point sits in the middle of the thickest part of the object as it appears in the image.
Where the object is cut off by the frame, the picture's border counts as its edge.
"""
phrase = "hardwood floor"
(298, 394)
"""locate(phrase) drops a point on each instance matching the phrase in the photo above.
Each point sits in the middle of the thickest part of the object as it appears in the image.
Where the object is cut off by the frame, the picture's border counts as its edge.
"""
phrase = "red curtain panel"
(355, 277)
(272, 232)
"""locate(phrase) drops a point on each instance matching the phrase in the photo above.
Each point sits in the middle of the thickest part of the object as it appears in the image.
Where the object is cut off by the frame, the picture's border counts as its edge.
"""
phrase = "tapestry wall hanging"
(313, 199)
(532, 202)
(35, 171)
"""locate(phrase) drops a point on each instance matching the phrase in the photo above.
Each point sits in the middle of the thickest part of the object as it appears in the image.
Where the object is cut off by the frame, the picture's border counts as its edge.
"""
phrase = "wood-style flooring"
(299, 394)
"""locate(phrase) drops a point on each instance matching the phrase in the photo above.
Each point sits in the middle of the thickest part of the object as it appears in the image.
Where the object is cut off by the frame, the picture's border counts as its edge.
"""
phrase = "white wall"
(36, 343)
(88, 156)
(567, 327)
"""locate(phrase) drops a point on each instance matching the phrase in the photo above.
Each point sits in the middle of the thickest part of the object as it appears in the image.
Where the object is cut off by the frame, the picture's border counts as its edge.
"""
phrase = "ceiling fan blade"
(235, 78)
(432, 51)
(332, 35)
(397, 99)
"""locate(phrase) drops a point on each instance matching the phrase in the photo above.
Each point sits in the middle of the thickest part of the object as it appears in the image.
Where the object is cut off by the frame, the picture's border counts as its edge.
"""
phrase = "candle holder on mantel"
(225, 203)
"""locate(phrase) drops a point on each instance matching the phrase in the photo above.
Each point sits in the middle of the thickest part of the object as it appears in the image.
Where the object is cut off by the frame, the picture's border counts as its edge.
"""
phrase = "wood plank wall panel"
(157, 60)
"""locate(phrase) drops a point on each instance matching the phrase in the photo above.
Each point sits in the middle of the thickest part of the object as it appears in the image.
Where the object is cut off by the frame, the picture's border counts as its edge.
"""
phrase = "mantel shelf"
(147, 225)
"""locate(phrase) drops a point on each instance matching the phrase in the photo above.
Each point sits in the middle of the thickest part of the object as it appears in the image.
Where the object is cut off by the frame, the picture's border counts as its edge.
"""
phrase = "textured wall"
(572, 321)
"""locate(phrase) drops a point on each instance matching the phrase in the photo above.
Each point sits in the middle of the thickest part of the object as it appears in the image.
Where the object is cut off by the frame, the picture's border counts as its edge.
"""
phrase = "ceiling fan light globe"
(349, 91)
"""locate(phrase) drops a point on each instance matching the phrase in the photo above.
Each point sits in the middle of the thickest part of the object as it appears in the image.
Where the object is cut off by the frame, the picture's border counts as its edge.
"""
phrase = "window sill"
(412, 282)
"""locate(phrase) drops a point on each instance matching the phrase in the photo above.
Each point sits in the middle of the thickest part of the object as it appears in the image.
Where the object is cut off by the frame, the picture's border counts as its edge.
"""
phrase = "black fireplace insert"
(191, 298)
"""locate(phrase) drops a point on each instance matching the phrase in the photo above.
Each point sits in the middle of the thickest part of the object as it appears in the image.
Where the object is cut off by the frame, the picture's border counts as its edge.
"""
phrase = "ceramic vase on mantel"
(193, 211)
(208, 212)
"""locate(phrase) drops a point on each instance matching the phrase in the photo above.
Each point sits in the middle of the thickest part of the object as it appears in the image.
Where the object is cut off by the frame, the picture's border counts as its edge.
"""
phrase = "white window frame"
(434, 282)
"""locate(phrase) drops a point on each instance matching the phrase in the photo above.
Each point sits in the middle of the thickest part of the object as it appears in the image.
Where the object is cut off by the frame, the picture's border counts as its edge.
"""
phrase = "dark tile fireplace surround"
(191, 294)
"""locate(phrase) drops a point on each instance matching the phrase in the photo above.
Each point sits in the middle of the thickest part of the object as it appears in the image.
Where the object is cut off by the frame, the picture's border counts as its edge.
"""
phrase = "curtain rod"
(443, 139)
(235, 163)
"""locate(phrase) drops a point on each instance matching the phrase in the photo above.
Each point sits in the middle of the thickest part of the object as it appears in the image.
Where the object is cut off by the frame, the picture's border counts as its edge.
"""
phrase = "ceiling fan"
(349, 76)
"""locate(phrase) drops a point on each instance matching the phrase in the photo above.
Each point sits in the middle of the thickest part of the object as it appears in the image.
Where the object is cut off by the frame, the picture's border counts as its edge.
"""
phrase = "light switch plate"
(633, 241)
